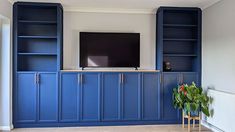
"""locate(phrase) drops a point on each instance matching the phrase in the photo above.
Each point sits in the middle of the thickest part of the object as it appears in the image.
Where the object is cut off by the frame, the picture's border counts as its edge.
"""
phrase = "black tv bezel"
(136, 67)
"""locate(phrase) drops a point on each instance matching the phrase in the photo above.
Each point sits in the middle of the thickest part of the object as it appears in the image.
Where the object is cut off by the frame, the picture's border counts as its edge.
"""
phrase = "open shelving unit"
(38, 36)
(179, 39)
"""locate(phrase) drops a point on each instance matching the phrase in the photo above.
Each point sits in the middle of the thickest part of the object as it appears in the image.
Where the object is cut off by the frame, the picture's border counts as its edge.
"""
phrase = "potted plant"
(191, 99)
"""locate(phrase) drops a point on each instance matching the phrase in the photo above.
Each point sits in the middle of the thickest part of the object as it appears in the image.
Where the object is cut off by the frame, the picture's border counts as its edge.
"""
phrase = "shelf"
(179, 25)
(39, 37)
(173, 39)
(37, 22)
(50, 54)
(180, 55)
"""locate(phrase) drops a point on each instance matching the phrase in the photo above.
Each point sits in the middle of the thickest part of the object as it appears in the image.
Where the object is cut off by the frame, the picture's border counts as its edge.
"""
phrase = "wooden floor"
(140, 128)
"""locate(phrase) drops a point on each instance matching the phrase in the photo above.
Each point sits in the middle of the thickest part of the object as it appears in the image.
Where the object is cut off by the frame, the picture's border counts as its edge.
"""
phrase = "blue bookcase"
(179, 39)
(37, 42)
(178, 43)
(38, 36)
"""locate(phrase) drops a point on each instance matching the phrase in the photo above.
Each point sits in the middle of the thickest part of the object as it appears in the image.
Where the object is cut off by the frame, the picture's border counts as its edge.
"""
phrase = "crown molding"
(109, 10)
(210, 3)
(11, 1)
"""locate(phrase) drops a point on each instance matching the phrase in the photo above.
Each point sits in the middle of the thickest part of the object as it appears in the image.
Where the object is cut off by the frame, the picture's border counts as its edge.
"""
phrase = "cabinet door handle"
(81, 79)
(123, 77)
(120, 78)
(78, 79)
(160, 78)
(35, 78)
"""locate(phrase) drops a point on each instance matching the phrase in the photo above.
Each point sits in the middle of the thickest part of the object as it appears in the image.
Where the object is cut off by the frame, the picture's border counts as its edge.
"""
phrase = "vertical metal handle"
(120, 78)
(35, 78)
(81, 79)
(160, 78)
(78, 79)
(123, 78)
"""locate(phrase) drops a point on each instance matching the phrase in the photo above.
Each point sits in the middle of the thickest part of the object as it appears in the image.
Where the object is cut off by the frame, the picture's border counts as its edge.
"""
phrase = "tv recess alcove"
(46, 95)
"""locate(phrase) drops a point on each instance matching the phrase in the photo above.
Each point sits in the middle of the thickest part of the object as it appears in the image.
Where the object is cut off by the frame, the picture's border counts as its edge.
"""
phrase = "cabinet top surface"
(97, 70)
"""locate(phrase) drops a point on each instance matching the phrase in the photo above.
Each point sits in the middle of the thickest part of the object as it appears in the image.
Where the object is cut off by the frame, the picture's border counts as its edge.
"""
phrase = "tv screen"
(99, 49)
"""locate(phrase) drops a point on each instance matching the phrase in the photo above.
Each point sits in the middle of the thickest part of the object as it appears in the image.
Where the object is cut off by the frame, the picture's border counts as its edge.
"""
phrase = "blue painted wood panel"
(26, 98)
(151, 97)
(90, 101)
(188, 78)
(169, 113)
(111, 96)
(69, 97)
(48, 97)
(131, 96)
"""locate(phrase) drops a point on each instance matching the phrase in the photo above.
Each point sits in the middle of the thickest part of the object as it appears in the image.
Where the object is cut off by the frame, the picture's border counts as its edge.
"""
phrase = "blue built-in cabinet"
(80, 97)
(46, 95)
(178, 44)
(172, 80)
(37, 46)
(109, 97)
(36, 97)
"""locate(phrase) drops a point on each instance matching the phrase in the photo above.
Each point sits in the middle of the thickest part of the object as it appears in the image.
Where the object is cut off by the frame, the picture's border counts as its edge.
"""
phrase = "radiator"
(223, 107)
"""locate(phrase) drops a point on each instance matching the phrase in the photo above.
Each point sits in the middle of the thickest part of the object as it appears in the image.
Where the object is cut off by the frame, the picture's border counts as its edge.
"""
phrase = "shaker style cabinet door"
(69, 97)
(48, 97)
(169, 113)
(111, 96)
(151, 96)
(90, 97)
(131, 98)
(188, 78)
(26, 98)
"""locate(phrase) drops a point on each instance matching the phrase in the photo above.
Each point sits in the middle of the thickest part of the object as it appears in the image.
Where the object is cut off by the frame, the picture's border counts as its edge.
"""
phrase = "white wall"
(5, 8)
(5, 75)
(74, 22)
(219, 45)
(5, 67)
(219, 53)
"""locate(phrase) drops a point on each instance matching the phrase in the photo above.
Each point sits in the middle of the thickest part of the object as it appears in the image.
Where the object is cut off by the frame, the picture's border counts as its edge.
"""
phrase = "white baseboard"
(211, 127)
(6, 128)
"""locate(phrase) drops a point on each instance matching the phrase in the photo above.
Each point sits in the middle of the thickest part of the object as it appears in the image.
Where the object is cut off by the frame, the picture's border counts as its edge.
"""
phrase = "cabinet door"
(69, 97)
(111, 96)
(90, 92)
(169, 113)
(48, 97)
(188, 78)
(131, 96)
(26, 97)
(151, 96)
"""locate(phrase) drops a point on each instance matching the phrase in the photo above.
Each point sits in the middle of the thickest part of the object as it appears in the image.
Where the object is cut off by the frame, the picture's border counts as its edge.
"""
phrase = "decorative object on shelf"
(167, 66)
(192, 101)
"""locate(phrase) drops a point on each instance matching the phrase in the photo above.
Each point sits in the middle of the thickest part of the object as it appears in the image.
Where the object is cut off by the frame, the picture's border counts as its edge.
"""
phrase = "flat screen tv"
(98, 49)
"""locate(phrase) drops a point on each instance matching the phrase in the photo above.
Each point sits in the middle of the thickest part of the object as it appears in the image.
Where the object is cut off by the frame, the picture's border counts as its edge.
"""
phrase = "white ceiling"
(127, 5)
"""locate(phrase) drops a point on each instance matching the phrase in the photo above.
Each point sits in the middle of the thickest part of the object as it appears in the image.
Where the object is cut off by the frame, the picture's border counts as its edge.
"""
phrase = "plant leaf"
(205, 111)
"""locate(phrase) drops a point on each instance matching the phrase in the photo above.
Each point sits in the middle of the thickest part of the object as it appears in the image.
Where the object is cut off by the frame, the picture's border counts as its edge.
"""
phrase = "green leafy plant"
(191, 98)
